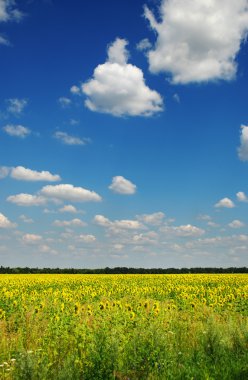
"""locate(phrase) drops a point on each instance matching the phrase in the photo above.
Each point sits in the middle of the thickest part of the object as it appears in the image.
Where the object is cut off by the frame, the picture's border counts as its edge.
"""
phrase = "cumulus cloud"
(212, 224)
(87, 238)
(102, 221)
(198, 40)
(69, 223)
(44, 248)
(154, 219)
(24, 174)
(243, 149)
(176, 97)
(4, 171)
(125, 224)
(204, 217)
(70, 193)
(183, 231)
(236, 224)
(144, 44)
(241, 197)
(118, 247)
(225, 202)
(119, 88)
(16, 106)
(150, 237)
(16, 130)
(25, 219)
(122, 185)
(26, 200)
(75, 90)
(5, 222)
(31, 238)
(64, 102)
(68, 208)
(70, 140)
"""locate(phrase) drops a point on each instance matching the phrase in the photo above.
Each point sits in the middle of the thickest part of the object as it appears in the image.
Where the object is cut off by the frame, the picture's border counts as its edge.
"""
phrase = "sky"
(123, 133)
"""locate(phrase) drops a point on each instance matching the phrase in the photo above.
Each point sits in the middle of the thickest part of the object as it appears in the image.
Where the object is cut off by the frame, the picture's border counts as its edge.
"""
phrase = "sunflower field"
(129, 327)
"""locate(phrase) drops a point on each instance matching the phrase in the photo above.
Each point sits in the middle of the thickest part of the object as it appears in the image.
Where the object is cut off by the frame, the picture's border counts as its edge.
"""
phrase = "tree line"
(120, 270)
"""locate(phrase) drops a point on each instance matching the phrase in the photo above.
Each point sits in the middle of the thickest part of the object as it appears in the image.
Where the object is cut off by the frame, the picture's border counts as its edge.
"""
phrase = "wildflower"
(76, 308)
(132, 315)
(2, 314)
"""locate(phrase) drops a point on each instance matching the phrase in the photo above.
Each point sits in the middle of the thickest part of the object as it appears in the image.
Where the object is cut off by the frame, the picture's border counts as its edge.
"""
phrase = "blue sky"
(123, 133)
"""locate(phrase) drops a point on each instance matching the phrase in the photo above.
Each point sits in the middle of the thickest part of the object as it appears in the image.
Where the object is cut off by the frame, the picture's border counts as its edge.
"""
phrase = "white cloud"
(16, 106)
(70, 193)
(70, 140)
(117, 224)
(243, 238)
(198, 40)
(75, 90)
(27, 200)
(176, 97)
(154, 219)
(150, 237)
(225, 202)
(64, 102)
(44, 248)
(117, 52)
(212, 224)
(236, 224)
(122, 185)
(31, 238)
(204, 217)
(24, 174)
(144, 44)
(73, 122)
(87, 238)
(102, 221)
(4, 171)
(4, 41)
(118, 88)
(184, 231)
(243, 149)
(69, 223)
(8, 11)
(16, 130)
(127, 224)
(68, 208)
(25, 219)
(118, 247)
(5, 223)
(241, 196)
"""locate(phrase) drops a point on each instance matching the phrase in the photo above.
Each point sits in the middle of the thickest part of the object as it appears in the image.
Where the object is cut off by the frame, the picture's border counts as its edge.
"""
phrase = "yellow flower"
(132, 315)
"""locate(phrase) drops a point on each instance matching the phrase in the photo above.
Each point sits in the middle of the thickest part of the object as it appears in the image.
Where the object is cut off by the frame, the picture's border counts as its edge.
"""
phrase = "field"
(89, 327)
